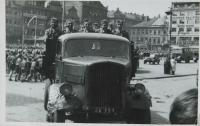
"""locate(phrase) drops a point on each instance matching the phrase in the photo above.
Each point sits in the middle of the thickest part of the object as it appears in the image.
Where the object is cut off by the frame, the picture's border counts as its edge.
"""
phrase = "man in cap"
(68, 27)
(104, 27)
(86, 27)
(95, 27)
(119, 30)
(51, 40)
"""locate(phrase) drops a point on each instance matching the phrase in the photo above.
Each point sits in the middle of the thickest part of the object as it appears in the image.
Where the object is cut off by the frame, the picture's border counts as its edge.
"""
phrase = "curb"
(162, 77)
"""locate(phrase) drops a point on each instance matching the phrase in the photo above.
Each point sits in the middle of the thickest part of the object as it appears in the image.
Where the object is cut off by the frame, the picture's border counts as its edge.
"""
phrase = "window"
(138, 31)
(163, 38)
(146, 32)
(174, 22)
(164, 32)
(158, 40)
(190, 21)
(143, 31)
(158, 32)
(173, 29)
(189, 29)
(181, 21)
(197, 21)
(182, 14)
(196, 29)
(197, 12)
(196, 38)
(181, 29)
(154, 32)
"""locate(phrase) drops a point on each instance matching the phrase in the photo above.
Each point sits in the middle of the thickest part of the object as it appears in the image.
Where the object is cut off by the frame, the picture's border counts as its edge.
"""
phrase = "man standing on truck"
(51, 40)
(119, 30)
(104, 27)
(68, 27)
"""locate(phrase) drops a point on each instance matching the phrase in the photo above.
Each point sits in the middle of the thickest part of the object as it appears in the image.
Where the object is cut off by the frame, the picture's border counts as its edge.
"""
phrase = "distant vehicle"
(152, 59)
(184, 54)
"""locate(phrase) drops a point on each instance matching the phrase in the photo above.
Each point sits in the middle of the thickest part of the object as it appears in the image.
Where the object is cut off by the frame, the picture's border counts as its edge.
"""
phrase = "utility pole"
(170, 28)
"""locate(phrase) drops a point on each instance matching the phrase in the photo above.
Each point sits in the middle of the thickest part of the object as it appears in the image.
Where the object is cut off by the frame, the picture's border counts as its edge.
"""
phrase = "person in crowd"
(17, 67)
(104, 27)
(173, 65)
(184, 108)
(111, 27)
(68, 27)
(95, 27)
(86, 27)
(11, 65)
(119, 30)
(32, 71)
(51, 40)
(23, 68)
(27, 68)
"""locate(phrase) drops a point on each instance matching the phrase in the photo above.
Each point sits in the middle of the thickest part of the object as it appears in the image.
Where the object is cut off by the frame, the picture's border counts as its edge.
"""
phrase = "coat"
(173, 64)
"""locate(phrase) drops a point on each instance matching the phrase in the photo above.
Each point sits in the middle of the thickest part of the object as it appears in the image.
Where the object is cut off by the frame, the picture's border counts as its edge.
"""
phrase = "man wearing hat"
(104, 27)
(68, 27)
(119, 30)
(86, 27)
(51, 40)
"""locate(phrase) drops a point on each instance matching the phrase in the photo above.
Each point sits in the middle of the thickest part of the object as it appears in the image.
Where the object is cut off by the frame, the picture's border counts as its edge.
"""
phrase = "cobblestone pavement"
(24, 101)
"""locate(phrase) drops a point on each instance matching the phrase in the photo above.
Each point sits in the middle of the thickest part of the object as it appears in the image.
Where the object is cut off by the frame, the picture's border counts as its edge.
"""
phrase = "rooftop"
(157, 21)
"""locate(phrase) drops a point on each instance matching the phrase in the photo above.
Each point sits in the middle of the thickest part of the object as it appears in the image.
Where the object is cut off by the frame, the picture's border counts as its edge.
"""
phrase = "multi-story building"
(129, 19)
(13, 22)
(151, 34)
(185, 23)
(19, 13)
(94, 11)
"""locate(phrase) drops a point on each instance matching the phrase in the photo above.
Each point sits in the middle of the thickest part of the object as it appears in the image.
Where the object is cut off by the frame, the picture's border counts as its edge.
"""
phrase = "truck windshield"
(107, 48)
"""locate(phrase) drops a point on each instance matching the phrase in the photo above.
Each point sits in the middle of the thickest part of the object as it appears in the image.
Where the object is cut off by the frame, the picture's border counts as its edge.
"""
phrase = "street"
(24, 101)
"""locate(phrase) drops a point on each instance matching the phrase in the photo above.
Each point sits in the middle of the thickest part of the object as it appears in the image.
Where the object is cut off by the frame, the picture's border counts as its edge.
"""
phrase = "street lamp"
(170, 28)
(34, 17)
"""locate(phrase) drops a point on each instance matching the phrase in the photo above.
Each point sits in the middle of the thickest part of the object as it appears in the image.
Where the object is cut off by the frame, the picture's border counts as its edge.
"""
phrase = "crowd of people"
(24, 64)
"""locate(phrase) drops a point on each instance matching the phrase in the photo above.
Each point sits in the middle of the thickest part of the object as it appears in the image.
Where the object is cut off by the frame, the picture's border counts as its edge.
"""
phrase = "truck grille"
(104, 85)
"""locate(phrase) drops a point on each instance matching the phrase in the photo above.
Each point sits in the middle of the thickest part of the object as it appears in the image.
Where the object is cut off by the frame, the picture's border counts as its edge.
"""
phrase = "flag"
(31, 20)
(46, 4)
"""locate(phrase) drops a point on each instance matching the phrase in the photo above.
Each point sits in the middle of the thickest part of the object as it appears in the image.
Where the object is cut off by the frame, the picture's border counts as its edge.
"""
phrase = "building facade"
(129, 19)
(185, 23)
(19, 30)
(78, 11)
(151, 35)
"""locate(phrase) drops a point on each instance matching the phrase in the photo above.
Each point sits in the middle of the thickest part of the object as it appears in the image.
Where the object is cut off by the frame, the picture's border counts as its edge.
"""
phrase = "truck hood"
(88, 60)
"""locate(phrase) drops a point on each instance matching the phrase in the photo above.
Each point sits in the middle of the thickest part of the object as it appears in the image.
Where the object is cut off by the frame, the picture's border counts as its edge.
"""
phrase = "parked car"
(93, 73)
(152, 59)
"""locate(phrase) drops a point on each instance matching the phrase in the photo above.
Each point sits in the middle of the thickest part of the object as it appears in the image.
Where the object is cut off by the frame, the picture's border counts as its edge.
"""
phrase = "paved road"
(24, 101)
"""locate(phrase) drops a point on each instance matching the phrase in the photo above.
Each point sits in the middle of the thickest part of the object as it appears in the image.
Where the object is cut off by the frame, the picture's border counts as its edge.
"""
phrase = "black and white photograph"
(102, 61)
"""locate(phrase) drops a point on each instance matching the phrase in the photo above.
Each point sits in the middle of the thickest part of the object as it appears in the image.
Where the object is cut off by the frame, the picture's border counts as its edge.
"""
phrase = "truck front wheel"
(59, 116)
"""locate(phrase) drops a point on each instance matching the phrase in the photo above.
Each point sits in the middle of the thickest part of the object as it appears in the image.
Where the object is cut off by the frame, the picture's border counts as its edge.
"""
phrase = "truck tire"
(59, 116)
(187, 61)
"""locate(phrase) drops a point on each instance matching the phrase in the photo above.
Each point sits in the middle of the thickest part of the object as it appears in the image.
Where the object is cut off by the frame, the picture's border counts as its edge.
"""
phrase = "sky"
(149, 8)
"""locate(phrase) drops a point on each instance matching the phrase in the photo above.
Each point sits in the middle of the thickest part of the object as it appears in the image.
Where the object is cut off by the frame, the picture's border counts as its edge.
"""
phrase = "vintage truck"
(95, 69)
